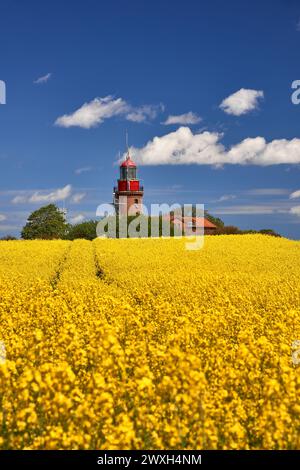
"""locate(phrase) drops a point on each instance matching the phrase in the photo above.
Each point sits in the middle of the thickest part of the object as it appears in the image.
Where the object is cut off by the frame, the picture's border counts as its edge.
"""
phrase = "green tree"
(8, 238)
(47, 223)
(85, 230)
(228, 230)
(269, 231)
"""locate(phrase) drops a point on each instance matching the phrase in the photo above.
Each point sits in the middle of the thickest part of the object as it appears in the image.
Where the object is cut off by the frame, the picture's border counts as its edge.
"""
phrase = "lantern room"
(128, 169)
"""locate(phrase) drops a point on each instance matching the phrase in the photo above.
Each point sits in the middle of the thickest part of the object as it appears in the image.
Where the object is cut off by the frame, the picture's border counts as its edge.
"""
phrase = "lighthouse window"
(131, 173)
(136, 201)
(123, 173)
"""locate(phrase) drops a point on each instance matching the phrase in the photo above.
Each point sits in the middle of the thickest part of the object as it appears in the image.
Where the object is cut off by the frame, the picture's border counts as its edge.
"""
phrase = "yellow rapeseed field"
(141, 344)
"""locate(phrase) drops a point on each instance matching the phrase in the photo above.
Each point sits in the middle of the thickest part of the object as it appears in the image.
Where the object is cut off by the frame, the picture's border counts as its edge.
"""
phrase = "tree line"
(49, 223)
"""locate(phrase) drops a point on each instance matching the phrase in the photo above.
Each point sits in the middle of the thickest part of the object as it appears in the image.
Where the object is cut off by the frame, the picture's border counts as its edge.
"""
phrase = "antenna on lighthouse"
(127, 147)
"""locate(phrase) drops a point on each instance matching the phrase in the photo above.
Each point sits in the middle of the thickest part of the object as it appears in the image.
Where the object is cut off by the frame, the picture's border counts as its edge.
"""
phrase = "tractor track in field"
(99, 271)
(56, 277)
(100, 274)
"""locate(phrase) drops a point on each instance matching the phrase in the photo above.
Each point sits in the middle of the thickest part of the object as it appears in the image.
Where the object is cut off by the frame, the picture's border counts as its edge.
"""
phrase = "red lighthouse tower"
(128, 195)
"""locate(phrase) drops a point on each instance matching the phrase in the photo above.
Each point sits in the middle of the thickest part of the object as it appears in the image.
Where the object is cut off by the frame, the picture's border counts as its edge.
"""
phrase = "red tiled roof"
(202, 220)
(197, 221)
(128, 162)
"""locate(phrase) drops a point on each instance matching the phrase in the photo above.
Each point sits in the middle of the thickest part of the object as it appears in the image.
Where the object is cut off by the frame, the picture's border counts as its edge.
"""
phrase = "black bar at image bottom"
(135, 458)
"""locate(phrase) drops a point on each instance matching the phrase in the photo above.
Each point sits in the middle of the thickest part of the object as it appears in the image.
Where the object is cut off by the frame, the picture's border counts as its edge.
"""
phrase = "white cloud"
(19, 199)
(43, 79)
(96, 111)
(93, 113)
(183, 147)
(77, 219)
(267, 192)
(241, 102)
(180, 147)
(184, 119)
(76, 198)
(245, 210)
(227, 197)
(295, 194)
(295, 210)
(54, 196)
(2, 217)
(143, 113)
(84, 169)
(41, 196)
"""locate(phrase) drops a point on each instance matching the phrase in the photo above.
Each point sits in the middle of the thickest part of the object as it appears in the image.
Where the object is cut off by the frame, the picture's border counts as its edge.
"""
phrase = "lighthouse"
(128, 194)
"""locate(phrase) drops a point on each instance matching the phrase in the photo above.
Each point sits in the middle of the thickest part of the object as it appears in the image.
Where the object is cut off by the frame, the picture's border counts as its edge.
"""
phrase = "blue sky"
(138, 65)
